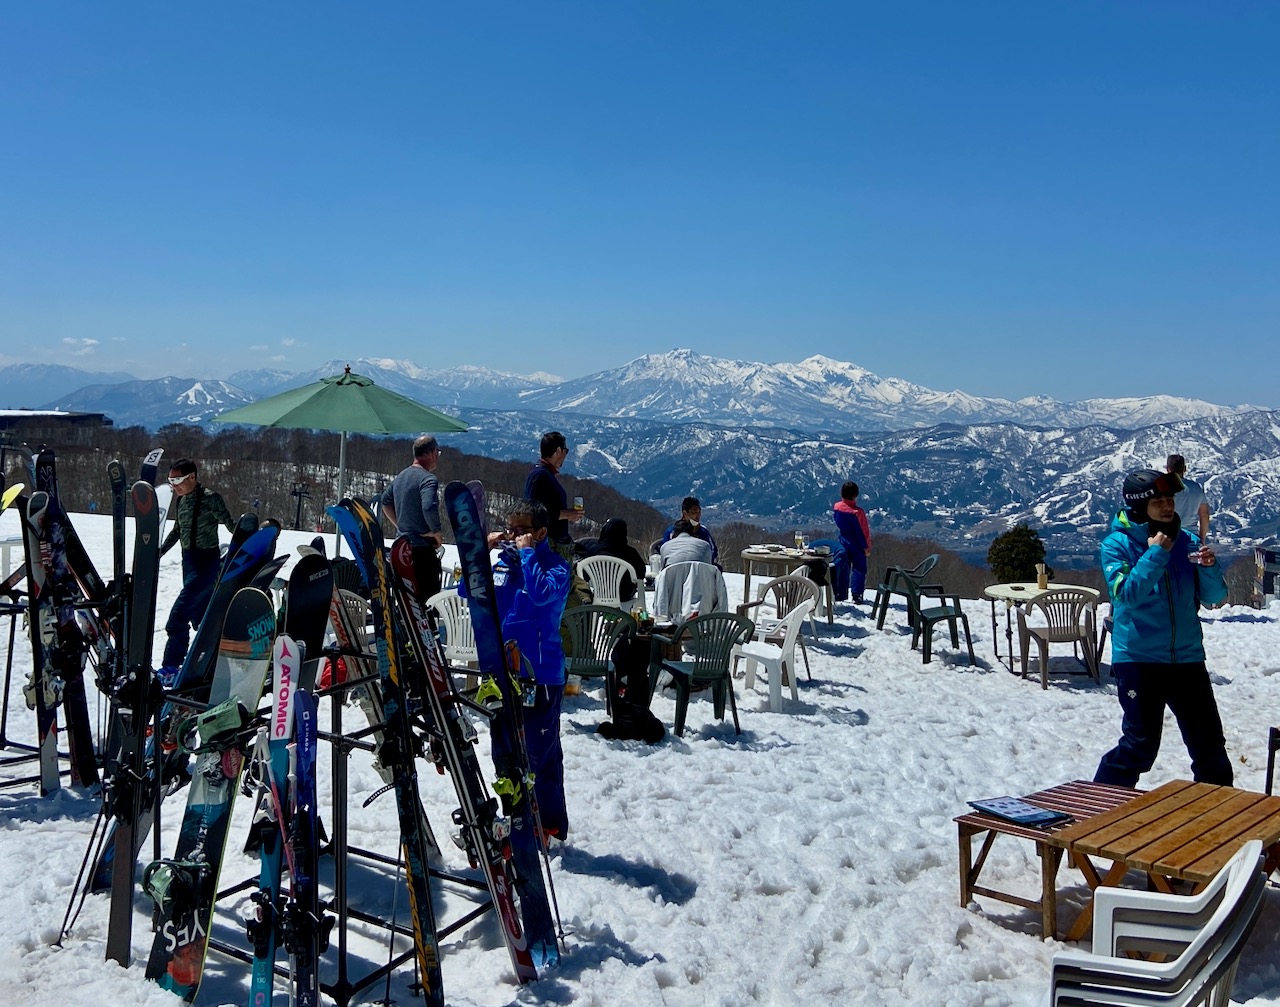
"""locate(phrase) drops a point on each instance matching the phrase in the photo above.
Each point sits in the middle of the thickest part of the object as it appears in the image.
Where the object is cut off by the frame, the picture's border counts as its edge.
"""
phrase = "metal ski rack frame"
(343, 989)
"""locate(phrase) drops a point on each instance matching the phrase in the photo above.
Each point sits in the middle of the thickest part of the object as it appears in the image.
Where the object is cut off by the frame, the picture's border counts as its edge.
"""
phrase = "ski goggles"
(1167, 485)
(179, 480)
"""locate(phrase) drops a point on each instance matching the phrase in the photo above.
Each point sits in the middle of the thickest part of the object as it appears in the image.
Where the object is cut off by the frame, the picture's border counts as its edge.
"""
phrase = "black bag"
(632, 720)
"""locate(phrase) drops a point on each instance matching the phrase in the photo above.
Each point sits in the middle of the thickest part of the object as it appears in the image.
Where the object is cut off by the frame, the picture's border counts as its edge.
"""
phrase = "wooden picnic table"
(1081, 799)
(1182, 831)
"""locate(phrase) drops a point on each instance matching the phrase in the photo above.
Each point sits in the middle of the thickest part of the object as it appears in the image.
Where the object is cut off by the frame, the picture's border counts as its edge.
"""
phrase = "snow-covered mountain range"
(772, 442)
(818, 394)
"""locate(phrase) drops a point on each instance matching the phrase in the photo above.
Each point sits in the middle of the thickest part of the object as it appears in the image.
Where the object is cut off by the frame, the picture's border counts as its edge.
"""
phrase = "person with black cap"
(1158, 576)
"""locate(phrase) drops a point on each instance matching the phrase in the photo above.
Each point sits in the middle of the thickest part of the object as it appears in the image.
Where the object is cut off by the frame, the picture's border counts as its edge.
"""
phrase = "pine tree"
(1013, 556)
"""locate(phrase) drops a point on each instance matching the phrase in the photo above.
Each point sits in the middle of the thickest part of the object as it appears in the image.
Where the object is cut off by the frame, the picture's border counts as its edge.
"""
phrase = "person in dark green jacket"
(197, 514)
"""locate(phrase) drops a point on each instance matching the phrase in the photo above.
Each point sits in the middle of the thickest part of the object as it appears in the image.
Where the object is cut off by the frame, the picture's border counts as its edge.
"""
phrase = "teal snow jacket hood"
(1156, 595)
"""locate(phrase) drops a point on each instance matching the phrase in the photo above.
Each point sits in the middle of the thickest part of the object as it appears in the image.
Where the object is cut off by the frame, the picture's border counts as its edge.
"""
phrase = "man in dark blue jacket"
(1158, 576)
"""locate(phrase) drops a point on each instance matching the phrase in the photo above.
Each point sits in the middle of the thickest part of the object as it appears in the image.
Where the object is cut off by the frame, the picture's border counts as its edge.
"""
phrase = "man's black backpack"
(632, 720)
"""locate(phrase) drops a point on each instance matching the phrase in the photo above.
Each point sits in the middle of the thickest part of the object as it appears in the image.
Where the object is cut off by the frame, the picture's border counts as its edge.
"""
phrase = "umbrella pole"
(342, 490)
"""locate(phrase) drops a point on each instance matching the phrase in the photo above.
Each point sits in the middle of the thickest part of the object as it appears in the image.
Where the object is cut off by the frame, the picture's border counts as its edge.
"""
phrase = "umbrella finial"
(347, 369)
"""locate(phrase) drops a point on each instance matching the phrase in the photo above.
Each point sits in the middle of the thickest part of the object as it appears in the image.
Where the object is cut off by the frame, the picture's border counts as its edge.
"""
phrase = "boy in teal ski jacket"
(1158, 575)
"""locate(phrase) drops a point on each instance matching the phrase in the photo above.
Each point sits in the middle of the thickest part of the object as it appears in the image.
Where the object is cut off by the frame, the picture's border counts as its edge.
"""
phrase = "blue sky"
(1070, 199)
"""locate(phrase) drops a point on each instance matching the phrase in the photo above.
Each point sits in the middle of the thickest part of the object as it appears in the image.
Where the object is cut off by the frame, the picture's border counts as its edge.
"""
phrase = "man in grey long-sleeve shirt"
(412, 502)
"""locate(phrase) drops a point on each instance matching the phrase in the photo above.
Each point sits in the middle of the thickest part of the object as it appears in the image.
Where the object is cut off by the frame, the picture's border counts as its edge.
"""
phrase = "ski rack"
(343, 989)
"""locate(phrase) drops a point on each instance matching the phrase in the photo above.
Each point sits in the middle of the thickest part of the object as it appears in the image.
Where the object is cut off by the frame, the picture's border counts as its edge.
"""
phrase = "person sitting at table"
(850, 561)
(613, 542)
(1158, 577)
(691, 511)
(684, 546)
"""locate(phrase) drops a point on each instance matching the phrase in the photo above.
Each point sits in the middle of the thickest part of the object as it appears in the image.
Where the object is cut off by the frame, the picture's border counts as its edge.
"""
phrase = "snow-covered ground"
(810, 860)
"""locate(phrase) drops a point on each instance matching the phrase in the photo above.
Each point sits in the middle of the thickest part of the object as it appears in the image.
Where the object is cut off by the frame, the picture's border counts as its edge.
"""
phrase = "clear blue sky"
(1069, 199)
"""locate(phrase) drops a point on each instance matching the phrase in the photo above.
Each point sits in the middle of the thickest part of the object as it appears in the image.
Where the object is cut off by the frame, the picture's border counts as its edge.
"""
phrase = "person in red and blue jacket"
(1158, 575)
(850, 562)
(531, 586)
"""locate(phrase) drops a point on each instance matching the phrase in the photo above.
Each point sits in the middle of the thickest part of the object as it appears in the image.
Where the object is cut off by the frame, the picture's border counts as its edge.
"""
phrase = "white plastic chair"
(606, 575)
(358, 610)
(454, 615)
(784, 593)
(780, 661)
(1206, 931)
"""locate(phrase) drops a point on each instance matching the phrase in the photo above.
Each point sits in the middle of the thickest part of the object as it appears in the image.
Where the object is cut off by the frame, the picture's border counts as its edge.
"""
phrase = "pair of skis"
(58, 644)
(286, 824)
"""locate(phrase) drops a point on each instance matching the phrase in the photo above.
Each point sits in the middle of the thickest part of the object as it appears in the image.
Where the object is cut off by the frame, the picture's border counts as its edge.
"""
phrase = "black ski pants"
(1145, 690)
(199, 573)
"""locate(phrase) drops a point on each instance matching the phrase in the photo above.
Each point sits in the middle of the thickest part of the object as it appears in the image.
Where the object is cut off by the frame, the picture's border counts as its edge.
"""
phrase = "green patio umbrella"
(348, 403)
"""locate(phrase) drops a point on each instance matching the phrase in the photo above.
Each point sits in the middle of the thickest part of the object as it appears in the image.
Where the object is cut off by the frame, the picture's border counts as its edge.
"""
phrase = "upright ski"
(44, 688)
(515, 784)
(133, 705)
(269, 833)
(150, 466)
(65, 644)
(306, 928)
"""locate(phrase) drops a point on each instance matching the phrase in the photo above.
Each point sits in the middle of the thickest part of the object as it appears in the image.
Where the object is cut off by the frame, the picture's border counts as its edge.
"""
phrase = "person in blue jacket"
(531, 585)
(1158, 576)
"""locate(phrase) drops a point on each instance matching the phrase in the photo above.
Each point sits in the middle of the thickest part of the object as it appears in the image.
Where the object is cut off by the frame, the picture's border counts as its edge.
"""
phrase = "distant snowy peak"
(1141, 412)
(159, 401)
(471, 376)
(260, 381)
(203, 393)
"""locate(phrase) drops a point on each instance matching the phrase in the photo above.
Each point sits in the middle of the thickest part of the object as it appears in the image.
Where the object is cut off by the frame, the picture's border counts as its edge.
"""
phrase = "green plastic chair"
(928, 605)
(708, 642)
(593, 631)
(901, 581)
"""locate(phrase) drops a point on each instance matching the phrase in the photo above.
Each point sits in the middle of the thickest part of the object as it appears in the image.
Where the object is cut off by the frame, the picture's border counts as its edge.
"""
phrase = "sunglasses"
(518, 530)
(179, 480)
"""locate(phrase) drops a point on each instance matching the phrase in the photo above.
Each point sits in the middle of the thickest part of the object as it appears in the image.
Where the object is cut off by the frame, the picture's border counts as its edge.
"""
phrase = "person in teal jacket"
(1158, 575)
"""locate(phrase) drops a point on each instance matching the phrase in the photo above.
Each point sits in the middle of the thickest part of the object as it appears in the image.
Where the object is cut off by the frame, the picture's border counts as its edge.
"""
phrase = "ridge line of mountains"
(771, 443)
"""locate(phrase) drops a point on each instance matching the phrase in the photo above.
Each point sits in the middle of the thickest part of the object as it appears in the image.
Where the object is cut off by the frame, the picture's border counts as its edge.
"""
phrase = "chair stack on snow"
(1205, 932)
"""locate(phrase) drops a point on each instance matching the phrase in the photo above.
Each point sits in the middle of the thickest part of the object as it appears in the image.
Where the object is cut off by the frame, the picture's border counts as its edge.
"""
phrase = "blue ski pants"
(546, 757)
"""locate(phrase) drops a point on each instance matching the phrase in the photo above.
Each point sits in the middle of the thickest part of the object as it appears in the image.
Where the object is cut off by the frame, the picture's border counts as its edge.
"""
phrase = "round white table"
(1019, 594)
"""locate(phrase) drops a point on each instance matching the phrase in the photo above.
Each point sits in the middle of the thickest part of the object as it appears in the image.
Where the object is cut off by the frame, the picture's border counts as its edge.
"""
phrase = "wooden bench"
(1080, 799)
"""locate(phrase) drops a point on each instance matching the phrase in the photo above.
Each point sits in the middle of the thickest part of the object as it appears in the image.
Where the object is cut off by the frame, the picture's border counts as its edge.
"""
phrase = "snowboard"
(185, 887)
